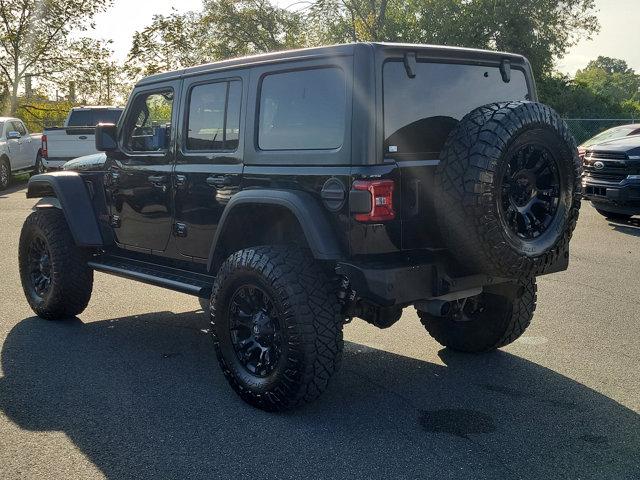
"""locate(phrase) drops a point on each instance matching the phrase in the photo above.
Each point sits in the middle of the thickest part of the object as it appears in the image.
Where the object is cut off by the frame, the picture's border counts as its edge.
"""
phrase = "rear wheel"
(55, 277)
(5, 173)
(488, 321)
(39, 167)
(276, 326)
(621, 217)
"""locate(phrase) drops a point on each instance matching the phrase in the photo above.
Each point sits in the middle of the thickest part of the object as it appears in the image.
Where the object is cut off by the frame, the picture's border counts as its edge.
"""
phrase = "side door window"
(149, 126)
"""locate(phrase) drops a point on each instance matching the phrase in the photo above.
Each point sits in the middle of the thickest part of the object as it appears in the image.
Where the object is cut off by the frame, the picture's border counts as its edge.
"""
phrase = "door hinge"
(181, 230)
(114, 221)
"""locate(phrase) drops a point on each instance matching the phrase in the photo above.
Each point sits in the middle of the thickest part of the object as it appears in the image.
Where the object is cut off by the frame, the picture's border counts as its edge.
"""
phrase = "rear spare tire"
(508, 189)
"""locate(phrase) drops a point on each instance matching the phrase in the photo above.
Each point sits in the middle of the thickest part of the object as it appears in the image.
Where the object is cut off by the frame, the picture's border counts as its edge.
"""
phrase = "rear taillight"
(44, 147)
(381, 192)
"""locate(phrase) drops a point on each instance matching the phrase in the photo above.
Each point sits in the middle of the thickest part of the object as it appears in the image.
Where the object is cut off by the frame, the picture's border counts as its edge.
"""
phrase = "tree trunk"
(14, 97)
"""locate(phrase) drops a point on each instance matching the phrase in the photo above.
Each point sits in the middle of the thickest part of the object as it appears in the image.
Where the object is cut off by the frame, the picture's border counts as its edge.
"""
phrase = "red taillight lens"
(45, 149)
(381, 200)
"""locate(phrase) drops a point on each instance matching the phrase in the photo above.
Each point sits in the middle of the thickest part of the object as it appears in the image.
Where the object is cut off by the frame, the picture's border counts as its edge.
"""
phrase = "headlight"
(633, 177)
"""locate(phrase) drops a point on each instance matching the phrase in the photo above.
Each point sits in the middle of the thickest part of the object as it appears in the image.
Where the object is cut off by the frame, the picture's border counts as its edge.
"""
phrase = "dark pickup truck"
(297, 190)
(612, 177)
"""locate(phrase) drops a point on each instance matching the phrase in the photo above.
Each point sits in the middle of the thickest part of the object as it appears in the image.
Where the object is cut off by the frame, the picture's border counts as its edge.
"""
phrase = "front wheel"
(488, 321)
(55, 277)
(276, 326)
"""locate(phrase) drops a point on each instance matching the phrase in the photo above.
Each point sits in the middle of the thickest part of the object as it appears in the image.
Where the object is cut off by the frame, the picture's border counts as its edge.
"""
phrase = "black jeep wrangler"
(294, 191)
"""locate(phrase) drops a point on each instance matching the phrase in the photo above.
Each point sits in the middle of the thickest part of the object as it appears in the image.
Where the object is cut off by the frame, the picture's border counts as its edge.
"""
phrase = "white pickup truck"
(77, 137)
(19, 149)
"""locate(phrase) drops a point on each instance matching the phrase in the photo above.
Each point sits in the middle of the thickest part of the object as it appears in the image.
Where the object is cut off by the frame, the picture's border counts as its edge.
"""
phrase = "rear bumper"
(619, 197)
(389, 284)
(50, 164)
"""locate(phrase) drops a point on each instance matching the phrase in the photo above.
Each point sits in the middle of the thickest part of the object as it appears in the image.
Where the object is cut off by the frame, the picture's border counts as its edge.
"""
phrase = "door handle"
(158, 180)
(223, 181)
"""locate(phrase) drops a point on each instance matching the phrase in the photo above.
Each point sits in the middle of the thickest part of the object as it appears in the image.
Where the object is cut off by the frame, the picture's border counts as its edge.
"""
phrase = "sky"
(619, 35)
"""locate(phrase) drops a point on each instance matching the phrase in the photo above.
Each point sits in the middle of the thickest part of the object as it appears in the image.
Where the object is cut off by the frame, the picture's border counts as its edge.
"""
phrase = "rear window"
(90, 118)
(420, 112)
(303, 110)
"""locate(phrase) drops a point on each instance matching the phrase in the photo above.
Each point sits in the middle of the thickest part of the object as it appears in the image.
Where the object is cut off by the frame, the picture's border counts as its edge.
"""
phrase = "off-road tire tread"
(505, 330)
(465, 184)
(314, 322)
(72, 279)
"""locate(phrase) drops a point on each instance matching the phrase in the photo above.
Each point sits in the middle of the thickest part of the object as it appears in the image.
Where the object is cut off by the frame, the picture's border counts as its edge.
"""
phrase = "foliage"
(35, 36)
(242, 27)
(610, 78)
(542, 30)
(171, 42)
(38, 113)
(223, 29)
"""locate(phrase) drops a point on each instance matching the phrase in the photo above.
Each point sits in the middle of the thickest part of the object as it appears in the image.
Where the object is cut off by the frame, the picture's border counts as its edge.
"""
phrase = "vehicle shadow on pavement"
(16, 185)
(142, 397)
(630, 227)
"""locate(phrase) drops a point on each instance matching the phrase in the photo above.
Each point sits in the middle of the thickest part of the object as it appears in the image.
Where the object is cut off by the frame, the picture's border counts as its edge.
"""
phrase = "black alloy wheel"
(530, 192)
(276, 325)
(255, 330)
(40, 266)
(56, 279)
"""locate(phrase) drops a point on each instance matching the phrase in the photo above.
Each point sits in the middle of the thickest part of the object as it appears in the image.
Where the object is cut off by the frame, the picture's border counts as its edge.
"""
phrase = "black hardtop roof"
(334, 50)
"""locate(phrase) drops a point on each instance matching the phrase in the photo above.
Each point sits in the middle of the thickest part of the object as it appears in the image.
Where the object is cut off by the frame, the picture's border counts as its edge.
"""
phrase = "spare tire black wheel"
(508, 189)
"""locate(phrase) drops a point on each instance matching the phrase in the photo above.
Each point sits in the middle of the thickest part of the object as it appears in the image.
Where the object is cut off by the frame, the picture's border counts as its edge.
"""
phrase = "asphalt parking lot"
(131, 389)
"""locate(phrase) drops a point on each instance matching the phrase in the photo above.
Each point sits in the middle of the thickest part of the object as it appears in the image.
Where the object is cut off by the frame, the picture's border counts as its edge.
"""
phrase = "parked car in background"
(19, 150)
(620, 131)
(76, 137)
(612, 177)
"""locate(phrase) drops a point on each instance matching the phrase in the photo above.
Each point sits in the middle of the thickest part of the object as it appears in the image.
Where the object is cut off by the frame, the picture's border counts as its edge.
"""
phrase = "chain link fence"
(585, 128)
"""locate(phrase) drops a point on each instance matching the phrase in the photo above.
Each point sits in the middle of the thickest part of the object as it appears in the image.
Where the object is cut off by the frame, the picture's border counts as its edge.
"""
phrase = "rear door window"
(420, 112)
(302, 110)
(213, 123)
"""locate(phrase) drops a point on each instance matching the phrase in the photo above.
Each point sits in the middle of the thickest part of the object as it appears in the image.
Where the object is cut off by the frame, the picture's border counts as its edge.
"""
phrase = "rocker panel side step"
(176, 279)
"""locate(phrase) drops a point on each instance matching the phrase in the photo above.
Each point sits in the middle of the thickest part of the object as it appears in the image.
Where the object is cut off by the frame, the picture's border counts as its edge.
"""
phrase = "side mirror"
(106, 137)
(13, 135)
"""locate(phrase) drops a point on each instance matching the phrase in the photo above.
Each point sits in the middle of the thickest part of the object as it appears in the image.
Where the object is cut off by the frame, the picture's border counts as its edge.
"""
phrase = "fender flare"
(311, 217)
(71, 196)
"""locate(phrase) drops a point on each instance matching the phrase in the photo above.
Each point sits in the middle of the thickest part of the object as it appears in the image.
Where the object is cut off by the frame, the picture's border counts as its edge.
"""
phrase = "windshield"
(612, 133)
(420, 112)
(90, 118)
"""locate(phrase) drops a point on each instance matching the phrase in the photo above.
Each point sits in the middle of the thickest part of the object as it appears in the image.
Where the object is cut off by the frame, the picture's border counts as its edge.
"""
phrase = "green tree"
(170, 42)
(34, 37)
(542, 30)
(610, 78)
(242, 27)
(223, 29)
